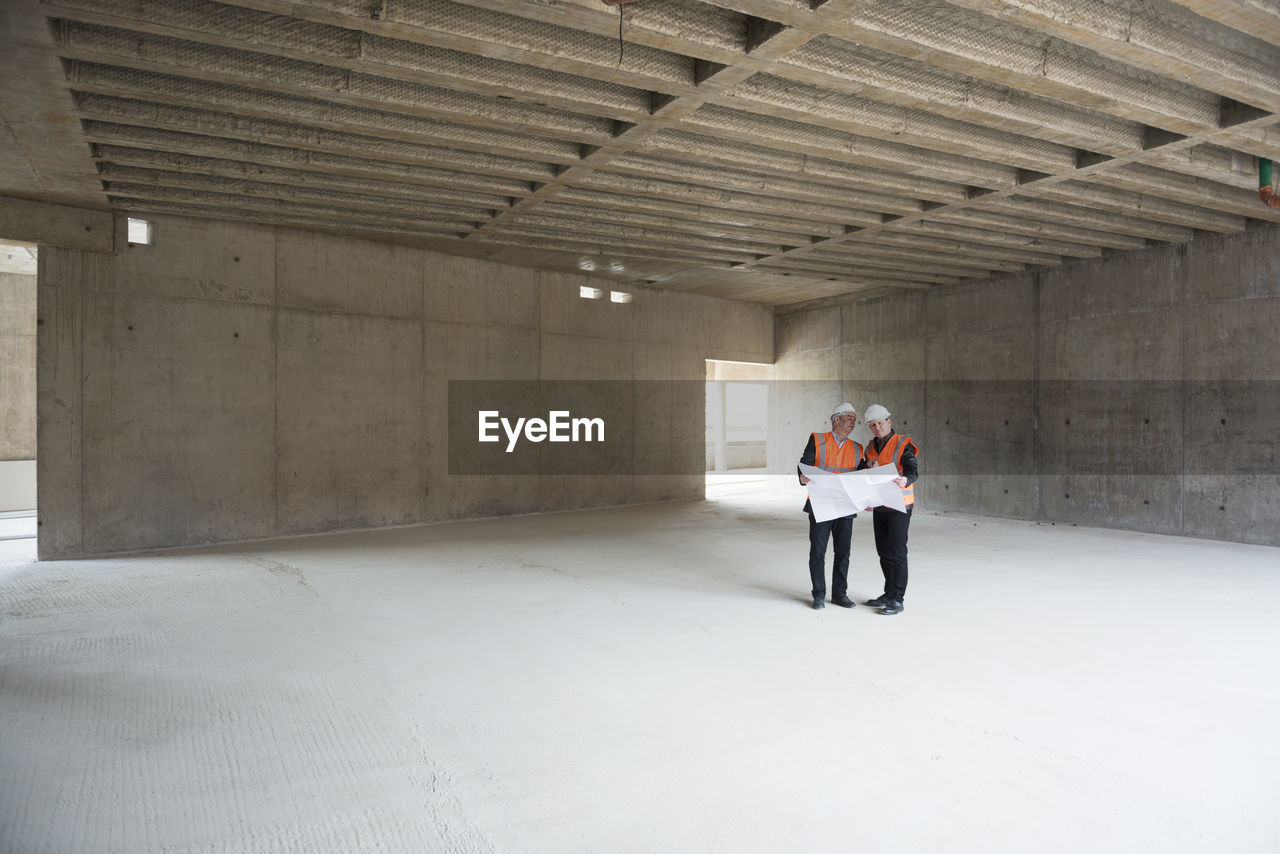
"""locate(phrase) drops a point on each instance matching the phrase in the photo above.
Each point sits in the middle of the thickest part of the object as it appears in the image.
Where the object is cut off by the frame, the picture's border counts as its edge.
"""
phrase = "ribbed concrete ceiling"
(777, 151)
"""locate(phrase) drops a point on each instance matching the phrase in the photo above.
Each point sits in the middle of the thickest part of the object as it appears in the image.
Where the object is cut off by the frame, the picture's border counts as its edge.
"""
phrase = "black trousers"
(840, 531)
(890, 528)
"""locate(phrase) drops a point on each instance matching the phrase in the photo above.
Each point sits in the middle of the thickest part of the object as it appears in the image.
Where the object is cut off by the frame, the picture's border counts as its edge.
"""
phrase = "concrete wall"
(17, 391)
(1134, 392)
(234, 382)
(17, 367)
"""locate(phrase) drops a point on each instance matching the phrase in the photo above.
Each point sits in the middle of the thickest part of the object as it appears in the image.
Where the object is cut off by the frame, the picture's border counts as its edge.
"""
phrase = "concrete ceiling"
(777, 151)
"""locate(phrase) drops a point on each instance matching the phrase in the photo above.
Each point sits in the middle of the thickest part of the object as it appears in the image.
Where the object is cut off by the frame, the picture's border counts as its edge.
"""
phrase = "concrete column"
(719, 443)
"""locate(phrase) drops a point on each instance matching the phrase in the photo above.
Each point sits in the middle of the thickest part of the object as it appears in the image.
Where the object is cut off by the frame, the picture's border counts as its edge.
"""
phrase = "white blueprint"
(832, 495)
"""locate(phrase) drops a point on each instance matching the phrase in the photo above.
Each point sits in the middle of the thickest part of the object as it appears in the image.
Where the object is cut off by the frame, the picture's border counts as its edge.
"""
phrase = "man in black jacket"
(834, 452)
(890, 526)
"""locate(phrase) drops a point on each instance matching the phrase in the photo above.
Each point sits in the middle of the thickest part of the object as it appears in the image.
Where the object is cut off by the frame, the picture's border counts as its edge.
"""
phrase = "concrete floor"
(643, 679)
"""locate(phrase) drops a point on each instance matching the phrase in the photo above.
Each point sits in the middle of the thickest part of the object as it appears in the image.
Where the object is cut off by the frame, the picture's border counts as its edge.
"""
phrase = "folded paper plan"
(832, 494)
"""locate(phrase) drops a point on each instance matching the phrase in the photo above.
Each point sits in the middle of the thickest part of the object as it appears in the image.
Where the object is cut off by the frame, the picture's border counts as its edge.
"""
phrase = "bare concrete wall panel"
(483, 292)
(204, 259)
(1232, 508)
(873, 322)
(1011, 497)
(40, 222)
(1131, 346)
(981, 428)
(688, 361)
(992, 355)
(689, 434)
(647, 489)
(961, 399)
(653, 361)
(972, 308)
(811, 330)
(811, 365)
(884, 360)
(179, 403)
(17, 367)
(574, 492)
(434, 397)
(1135, 502)
(1138, 282)
(714, 328)
(1110, 401)
(977, 409)
(1132, 391)
(74, 270)
(576, 357)
(484, 496)
(437, 279)
(17, 304)
(459, 494)
(349, 426)
(654, 446)
(1132, 428)
(341, 274)
(664, 323)
(1231, 429)
(717, 329)
(1222, 340)
(59, 457)
(564, 311)
(1244, 266)
(492, 353)
(356, 392)
(730, 330)
(667, 387)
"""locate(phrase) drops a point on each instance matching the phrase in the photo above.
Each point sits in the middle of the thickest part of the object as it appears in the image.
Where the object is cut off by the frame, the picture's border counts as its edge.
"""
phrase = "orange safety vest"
(892, 453)
(829, 456)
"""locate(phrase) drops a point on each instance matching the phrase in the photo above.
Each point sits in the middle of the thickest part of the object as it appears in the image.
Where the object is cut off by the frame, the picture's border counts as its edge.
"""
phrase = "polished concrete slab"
(643, 679)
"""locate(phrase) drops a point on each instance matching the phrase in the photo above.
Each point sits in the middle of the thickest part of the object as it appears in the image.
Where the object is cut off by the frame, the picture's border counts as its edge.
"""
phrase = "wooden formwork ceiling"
(776, 151)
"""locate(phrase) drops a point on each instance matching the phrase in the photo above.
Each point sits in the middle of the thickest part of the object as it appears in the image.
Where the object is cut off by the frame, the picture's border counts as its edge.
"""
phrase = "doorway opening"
(17, 390)
(737, 427)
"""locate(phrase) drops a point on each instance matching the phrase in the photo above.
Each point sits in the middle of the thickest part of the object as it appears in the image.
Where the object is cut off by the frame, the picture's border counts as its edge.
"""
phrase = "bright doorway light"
(737, 425)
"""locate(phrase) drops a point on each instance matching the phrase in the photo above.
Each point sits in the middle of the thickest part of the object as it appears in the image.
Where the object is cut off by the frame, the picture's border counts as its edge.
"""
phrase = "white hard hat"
(843, 408)
(875, 412)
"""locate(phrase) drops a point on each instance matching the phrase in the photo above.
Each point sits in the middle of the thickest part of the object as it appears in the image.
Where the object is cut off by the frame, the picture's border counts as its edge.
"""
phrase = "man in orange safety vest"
(888, 448)
(836, 452)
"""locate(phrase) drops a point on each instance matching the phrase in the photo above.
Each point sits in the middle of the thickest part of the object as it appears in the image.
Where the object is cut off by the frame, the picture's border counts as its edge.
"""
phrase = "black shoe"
(819, 601)
(843, 601)
(878, 602)
(892, 606)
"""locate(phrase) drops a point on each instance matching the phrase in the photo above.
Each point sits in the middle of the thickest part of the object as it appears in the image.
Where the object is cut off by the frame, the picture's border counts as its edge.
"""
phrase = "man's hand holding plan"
(832, 495)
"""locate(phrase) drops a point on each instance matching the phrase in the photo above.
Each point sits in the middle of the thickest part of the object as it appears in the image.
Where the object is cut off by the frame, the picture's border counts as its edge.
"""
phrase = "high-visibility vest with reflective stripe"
(829, 456)
(892, 453)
